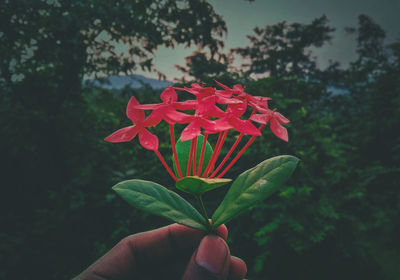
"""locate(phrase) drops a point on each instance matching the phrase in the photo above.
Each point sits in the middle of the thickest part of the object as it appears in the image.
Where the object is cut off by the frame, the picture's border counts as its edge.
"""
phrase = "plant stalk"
(165, 165)
(189, 163)
(203, 208)
(212, 156)
(227, 155)
(194, 143)
(239, 154)
(217, 153)
(172, 134)
(203, 148)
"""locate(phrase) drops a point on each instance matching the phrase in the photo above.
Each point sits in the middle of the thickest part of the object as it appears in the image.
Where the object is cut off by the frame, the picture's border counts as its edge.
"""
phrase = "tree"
(283, 49)
(201, 67)
(46, 35)
(56, 170)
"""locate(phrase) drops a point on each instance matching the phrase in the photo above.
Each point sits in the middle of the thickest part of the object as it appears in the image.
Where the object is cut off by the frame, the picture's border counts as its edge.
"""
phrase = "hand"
(171, 252)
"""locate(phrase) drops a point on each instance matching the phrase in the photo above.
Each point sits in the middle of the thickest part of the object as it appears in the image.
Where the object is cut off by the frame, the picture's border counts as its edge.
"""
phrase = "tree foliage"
(56, 169)
(82, 36)
(199, 66)
(283, 48)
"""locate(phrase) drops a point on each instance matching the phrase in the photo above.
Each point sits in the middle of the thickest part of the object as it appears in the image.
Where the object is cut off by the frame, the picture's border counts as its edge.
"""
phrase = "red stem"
(165, 165)
(194, 143)
(172, 134)
(227, 155)
(218, 151)
(213, 155)
(189, 164)
(240, 153)
(203, 148)
(230, 151)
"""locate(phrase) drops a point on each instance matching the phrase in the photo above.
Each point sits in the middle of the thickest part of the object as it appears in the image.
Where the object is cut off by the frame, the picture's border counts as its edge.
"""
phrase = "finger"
(210, 261)
(222, 231)
(237, 270)
(157, 245)
(136, 252)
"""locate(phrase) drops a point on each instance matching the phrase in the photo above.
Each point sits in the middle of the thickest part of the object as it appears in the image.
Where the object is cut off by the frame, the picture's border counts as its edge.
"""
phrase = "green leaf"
(196, 185)
(254, 185)
(183, 150)
(155, 199)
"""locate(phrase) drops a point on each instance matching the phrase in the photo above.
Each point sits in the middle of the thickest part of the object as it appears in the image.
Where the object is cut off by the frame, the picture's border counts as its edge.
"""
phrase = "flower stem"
(227, 155)
(239, 154)
(189, 164)
(172, 134)
(194, 144)
(203, 209)
(165, 165)
(212, 156)
(203, 148)
(221, 143)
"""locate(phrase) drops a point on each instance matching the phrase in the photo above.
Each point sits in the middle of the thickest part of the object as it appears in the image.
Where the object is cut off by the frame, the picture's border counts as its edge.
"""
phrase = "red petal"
(279, 130)
(222, 125)
(191, 131)
(207, 124)
(214, 111)
(155, 117)
(204, 104)
(260, 103)
(245, 127)
(260, 99)
(135, 115)
(147, 106)
(224, 100)
(122, 135)
(262, 110)
(169, 95)
(238, 109)
(192, 91)
(238, 88)
(205, 92)
(222, 85)
(177, 88)
(147, 140)
(186, 105)
(264, 118)
(281, 119)
(258, 108)
(177, 117)
(224, 93)
(196, 85)
(208, 108)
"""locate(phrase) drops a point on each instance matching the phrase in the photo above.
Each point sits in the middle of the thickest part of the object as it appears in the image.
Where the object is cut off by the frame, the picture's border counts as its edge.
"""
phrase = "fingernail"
(239, 259)
(212, 254)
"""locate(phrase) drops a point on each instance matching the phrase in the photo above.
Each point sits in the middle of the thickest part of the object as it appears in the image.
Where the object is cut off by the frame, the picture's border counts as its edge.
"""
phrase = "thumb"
(211, 260)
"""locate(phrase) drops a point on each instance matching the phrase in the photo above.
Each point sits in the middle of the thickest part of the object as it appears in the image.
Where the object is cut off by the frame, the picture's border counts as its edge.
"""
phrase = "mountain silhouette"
(117, 82)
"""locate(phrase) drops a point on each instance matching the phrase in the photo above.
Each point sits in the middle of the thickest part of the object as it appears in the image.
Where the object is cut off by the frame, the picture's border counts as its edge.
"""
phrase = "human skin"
(171, 252)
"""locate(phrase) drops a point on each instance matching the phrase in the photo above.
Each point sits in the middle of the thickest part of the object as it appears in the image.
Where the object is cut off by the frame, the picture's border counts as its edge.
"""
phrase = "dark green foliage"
(337, 217)
(254, 185)
(197, 186)
(157, 200)
(57, 211)
(281, 49)
(201, 68)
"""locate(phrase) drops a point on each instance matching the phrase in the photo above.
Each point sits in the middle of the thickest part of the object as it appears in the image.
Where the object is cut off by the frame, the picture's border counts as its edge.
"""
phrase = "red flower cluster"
(208, 116)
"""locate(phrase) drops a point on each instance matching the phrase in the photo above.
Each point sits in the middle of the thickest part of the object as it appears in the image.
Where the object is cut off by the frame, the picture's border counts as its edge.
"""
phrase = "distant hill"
(116, 82)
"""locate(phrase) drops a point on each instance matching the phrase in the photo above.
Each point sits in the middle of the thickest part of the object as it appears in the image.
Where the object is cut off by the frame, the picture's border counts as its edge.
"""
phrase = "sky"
(241, 17)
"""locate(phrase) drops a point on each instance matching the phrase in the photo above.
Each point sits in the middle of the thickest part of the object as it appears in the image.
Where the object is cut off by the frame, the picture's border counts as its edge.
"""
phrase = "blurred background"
(68, 68)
